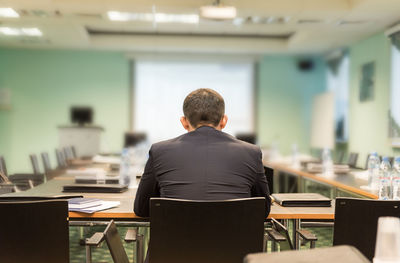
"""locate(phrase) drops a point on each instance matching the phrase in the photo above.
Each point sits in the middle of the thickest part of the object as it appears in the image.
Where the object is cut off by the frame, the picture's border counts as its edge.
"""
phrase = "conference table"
(124, 214)
(344, 183)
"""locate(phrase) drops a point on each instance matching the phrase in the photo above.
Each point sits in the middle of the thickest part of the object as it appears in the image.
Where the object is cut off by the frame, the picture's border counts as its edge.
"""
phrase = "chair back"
(287, 244)
(68, 154)
(46, 161)
(3, 167)
(34, 232)
(114, 244)
(74, 153)
(225, 231)
(35, 163)
(356, 222)
(61, 161)
(352, 161)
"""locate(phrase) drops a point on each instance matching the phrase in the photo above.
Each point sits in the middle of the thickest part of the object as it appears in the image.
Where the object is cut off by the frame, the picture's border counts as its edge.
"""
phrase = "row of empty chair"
(24, 181)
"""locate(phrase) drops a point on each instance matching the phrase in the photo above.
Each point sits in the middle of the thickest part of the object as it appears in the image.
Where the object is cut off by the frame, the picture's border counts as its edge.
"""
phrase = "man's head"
(204, 107)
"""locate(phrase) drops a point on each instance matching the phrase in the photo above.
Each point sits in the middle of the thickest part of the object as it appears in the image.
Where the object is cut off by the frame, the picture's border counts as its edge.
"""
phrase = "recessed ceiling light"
(8, 12)
(156, 17)
(10, 31)
(218, 12)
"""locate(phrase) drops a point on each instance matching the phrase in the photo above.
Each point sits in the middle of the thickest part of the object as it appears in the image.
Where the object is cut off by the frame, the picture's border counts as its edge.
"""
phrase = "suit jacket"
(205, 164)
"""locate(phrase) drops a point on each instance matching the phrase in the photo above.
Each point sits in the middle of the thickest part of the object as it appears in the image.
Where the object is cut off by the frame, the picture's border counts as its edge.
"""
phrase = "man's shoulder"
(166, 143)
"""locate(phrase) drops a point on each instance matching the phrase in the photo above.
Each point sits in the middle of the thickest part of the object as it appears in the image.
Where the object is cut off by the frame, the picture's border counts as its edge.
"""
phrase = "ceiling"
(298, 26)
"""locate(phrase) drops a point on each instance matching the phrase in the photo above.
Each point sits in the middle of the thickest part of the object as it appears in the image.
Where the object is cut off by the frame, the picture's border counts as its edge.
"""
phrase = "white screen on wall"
(160, 88)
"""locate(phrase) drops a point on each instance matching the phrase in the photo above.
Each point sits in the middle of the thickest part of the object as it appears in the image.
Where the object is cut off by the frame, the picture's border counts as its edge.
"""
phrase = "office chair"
(61, 162)
(68, 154)
(356, 222)
(21, 182)
(225, 231)
(34, 231)
(3, 167)
(111, 236)
(46, 162)
(74, 153)
(5, 184)
(35, 163)
(279, 234)
(340, 157)
(352, 160)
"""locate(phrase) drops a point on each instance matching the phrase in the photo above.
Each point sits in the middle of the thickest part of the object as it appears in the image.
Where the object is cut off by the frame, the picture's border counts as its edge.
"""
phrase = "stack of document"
(106, 159)
(318, 168)
(90, 205)
(87, 171)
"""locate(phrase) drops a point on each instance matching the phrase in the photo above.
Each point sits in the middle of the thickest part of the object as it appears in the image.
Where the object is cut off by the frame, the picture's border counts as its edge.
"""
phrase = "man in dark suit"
(205, 163)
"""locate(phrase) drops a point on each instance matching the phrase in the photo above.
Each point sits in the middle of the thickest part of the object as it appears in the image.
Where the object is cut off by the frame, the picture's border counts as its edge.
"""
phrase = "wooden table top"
(125, 210)
(348, 181)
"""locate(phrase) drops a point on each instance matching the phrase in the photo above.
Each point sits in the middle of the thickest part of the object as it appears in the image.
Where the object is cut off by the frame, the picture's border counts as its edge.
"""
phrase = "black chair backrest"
(352, 161)
(114, 244)
(184, 231)
(61, 162)
(35, 163)
(269, 174)
(34, 232)
(356, 222)
(3, 167)
(46, 161)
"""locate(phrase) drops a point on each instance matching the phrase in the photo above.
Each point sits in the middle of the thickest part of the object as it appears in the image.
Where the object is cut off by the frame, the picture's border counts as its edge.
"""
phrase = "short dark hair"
(204, 106)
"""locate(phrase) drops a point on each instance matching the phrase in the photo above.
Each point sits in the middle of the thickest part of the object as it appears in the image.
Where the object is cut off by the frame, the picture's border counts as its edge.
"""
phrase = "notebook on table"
(302, 199)
(95, 188)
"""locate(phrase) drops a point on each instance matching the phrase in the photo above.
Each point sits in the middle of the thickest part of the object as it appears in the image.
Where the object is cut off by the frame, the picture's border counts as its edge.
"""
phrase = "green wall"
(368, 121)
(285, 97)
(44, 84)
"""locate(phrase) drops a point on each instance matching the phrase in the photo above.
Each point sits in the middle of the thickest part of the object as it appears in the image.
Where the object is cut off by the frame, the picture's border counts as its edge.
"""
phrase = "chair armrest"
(275, 235)
(131, 235)
(95, 240)
(306, 235)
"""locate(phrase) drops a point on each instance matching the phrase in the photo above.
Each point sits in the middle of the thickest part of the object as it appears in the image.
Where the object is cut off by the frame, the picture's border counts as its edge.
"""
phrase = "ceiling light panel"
(153, 17)
(31, 32)
(218, 12)
(8, 12)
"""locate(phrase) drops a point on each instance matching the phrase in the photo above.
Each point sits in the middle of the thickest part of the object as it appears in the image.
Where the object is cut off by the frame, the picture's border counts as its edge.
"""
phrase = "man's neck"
(204, 125)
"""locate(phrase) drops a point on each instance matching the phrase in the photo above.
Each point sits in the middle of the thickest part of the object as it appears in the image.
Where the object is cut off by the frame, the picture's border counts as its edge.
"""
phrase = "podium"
(86, 139)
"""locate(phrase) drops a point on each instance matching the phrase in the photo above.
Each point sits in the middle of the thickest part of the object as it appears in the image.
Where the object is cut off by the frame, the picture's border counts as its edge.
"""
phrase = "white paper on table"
(87, 171)
(106, 159)
(103, 206)
(361, 174)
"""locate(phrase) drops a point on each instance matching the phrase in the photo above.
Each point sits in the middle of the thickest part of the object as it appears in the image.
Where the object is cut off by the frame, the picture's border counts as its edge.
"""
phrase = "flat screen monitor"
(81, 115)
(134, 138)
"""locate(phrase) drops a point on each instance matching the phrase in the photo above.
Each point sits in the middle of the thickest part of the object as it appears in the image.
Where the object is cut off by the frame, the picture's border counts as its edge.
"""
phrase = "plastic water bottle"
(124, 169)
(295, 157)
(396, 179)
(327, 163)
(373, 170)
(384, 179)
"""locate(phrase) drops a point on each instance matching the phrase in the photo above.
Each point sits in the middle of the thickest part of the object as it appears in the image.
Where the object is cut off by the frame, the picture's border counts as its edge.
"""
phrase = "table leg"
(295, 236)
(139, 248)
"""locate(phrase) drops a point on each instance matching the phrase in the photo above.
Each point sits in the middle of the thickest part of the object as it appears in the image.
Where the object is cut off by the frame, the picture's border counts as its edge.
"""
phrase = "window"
(394, 114)
(161, 86)
(338, 82)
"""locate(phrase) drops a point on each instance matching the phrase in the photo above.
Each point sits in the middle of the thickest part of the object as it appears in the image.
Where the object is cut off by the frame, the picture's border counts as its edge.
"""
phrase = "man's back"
(205, 164)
